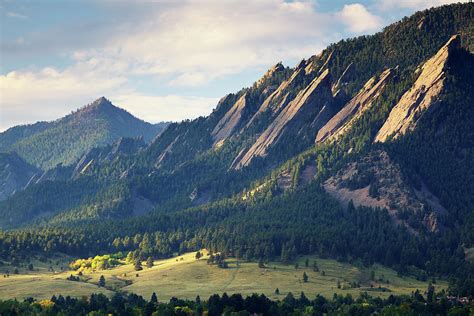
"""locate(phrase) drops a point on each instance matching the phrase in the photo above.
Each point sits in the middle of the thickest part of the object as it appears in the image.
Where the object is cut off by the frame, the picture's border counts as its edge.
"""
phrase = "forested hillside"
(363, 152)
(47, 144)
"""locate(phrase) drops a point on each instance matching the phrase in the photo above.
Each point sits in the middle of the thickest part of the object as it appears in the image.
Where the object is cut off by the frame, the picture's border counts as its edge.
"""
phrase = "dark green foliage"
(101, 281)
(180, 172)
(305, 277)
(137, 264)
(99, 304)
(154, 298)
(149, 262)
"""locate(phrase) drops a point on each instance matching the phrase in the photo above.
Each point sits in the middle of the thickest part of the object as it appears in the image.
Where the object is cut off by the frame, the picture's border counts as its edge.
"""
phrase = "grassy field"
(186, 277)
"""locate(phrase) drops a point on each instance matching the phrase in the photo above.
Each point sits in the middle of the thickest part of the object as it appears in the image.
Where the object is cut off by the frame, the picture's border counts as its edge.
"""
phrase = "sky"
(163, 60)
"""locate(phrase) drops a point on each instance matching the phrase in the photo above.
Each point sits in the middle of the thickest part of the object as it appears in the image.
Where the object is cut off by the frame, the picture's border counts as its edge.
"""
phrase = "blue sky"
(163, 60)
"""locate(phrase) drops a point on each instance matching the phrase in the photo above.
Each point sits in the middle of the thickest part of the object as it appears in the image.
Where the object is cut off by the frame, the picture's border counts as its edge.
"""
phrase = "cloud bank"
(170, 49)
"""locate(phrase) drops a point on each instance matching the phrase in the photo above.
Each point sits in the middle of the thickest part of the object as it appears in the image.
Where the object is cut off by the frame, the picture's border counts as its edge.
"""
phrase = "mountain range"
(362, 152)
(34, 153)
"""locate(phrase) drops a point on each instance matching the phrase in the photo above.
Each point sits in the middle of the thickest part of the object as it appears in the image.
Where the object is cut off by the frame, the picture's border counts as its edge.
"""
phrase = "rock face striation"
(354, 109)
(124, 146)
(15, 173)
(229, 122)
(309, 102)
(421, 96)
(280, 97)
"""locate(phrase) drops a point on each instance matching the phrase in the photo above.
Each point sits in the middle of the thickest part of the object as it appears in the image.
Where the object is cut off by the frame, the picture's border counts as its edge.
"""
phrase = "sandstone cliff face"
(309, 102)
(306, 70)
(343, 120)
(336, 88)
(278, 98)
(376, 181)
(423, 95)
(15, 173)
(241, 109)
(229, 122)
(125, 146)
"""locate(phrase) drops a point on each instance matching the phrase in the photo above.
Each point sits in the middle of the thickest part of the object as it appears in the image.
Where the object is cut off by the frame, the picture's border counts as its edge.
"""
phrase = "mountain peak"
(101, 103)
(270, 72)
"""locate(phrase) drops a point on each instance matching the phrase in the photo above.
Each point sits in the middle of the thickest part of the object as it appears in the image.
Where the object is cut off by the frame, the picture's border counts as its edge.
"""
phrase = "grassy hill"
(185, 277)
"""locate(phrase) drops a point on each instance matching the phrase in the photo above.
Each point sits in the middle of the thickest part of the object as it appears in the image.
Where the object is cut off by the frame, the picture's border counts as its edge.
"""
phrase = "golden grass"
(186, 277)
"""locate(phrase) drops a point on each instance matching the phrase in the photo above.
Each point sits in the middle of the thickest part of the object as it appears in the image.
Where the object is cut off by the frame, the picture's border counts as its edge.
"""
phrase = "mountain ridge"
(46, 144)
(277, 203)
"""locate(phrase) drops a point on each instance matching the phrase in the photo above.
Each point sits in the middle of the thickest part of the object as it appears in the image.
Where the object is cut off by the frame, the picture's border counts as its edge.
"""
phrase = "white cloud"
(48, 93)
(16, 15)
(358, 19)
(413, 4)
(173, 45)
(199, 41)
(165, 108)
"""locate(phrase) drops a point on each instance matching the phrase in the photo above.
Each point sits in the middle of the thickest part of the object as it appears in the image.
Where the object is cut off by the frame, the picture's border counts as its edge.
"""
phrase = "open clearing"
(186, 277)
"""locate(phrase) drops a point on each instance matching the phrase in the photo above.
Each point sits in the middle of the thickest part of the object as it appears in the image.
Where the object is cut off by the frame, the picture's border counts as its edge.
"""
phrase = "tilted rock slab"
(228, 123)
(345, 118)
(422, 95)
(311, 99)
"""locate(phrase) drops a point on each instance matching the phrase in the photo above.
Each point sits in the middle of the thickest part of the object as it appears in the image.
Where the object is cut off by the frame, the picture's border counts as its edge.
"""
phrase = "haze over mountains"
(364, 151)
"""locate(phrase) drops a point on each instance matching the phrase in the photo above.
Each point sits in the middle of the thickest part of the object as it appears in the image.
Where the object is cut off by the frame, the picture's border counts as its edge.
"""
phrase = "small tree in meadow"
(149, 262)
(101, 281)
(154, 298)
(305, 277)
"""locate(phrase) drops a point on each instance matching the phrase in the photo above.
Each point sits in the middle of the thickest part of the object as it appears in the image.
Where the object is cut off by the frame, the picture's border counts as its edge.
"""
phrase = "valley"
(350, 173)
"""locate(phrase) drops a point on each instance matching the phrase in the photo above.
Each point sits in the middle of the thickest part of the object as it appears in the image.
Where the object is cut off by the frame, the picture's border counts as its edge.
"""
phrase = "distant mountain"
(47, 144)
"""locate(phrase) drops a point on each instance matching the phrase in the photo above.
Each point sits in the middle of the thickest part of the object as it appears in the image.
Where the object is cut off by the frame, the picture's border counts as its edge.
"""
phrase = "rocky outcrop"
(376, 181)
(309, 102)
(270, 73)
(279, 98)
(15, 173)
(229, 122)
(421, 96)
(336, 88)
(122, 147)
(58, 173)
(343, 120)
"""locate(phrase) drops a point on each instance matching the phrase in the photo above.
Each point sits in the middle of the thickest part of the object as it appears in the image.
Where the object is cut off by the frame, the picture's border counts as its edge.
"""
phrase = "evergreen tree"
(129, 258)
(101, 281)
(430, 293)
(138, 265)
(149, 262)
(154, 298)
(305, 277)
